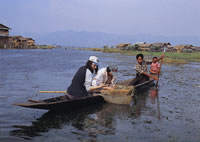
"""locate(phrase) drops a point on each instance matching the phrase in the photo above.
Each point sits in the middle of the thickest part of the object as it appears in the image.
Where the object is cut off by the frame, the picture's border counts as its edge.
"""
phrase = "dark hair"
(139, 55)
(88, 65)
(108, 69)
(155, 57)
(96, 70)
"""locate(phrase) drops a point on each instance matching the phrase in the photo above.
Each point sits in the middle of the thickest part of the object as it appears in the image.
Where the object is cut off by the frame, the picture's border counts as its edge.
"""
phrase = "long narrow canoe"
(63, 103)
(145, 84)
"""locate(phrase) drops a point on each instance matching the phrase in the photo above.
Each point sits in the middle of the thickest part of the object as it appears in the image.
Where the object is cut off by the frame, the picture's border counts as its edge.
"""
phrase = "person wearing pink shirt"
(155, 66)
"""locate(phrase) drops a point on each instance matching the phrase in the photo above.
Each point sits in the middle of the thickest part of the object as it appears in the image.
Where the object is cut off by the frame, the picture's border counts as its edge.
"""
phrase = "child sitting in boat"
(141, 70)
(155, 66)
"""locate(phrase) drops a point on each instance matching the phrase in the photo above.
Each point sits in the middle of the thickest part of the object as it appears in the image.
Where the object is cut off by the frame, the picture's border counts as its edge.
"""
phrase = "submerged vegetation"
(170, 57)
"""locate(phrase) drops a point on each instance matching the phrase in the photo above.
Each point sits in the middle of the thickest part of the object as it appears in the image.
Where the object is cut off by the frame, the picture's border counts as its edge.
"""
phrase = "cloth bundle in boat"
(121, 94)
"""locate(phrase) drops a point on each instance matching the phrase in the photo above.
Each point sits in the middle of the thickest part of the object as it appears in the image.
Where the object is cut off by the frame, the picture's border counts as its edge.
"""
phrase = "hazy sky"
(155, 17)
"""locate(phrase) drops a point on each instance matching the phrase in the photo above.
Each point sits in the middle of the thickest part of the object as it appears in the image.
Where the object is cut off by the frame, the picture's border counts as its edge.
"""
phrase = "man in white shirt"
(105, 76)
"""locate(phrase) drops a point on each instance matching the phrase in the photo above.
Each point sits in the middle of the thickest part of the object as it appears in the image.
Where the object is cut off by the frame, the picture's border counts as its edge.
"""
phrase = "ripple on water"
(171, 115)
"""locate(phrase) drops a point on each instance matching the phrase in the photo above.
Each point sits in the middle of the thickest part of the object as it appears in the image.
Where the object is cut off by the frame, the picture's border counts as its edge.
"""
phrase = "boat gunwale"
(146, 82)
(51, 103)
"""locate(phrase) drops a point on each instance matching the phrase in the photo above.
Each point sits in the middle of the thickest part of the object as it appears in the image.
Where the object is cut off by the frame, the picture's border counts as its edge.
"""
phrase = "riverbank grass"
(170, 57)
(44, 47)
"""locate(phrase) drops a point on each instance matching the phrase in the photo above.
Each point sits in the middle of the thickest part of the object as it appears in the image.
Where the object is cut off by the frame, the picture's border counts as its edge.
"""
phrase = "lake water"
(173, 115)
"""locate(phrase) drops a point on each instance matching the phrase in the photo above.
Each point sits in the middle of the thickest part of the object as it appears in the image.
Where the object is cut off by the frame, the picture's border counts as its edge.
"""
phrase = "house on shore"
(4, 30)
(161, 44)
(9, 42)
(123, 46)
(183, 48)
(144, 47)
(21, 42)
(4, 36)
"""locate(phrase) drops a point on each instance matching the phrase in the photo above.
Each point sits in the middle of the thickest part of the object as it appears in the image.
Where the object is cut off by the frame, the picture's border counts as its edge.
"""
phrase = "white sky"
(154, 17)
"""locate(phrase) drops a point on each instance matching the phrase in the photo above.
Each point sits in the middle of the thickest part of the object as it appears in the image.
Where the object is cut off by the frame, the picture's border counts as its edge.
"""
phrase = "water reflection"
(153, 95)
(53, 120)
(94, 120)
(178, 100)
(148, 100)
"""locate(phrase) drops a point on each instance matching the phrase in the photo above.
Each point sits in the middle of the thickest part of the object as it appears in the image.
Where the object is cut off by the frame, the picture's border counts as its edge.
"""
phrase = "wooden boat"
(63, 103)
(145, 84)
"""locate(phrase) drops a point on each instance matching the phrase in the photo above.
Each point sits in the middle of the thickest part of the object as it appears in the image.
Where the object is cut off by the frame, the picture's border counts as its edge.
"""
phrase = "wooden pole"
(52, 91)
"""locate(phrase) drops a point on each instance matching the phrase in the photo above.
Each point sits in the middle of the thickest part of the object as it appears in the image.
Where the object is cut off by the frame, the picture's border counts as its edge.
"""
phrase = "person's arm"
(113, 81)
(97, 80)
(94, 88)
(154, 77)
(161, 57)
(88, 82)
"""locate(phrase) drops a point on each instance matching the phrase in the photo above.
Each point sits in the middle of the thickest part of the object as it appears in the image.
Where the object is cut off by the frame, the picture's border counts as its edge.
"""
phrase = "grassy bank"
(179, 58)
(44, 47)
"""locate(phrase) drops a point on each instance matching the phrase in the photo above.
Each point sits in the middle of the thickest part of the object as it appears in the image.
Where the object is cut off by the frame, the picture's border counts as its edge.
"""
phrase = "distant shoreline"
(170, 57)
(35, 47)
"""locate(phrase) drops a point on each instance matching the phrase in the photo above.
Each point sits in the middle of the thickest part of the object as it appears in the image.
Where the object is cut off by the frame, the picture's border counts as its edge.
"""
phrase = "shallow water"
(171, 114)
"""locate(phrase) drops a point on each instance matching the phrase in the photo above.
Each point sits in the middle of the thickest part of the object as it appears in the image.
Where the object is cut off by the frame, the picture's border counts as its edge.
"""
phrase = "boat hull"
(63, 104)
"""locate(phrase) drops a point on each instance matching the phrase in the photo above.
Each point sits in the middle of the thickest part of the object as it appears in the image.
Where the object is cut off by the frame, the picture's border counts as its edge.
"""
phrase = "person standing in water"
(81, 85)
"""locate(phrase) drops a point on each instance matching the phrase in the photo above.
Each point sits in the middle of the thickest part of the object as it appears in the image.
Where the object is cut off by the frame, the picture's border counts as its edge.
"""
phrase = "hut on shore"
(170, 48)
(4, 30)
(4, 41)
(7, 41)
(179, 48)
(4, 36)
(185, 48)
(123, 46)
(21, 42)
(144, 47)
(161, 44)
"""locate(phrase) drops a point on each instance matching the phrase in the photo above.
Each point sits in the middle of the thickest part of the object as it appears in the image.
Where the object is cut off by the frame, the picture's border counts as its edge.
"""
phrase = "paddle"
(52, 91)
(122, 96)
(123, 90)
(160, 68)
